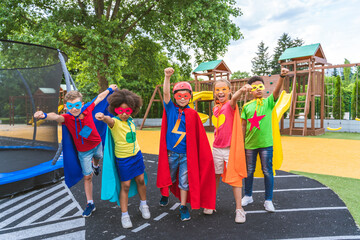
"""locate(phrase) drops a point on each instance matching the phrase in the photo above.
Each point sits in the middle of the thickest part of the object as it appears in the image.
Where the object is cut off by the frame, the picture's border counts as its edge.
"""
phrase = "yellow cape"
(281, 106)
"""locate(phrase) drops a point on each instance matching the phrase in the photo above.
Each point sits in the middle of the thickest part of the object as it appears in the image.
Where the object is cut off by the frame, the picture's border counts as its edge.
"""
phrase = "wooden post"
(322, 98)
(313, 90)
(148, 108)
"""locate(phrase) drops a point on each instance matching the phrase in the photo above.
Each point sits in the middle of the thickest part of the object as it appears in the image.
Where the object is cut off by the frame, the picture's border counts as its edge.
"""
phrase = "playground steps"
(299, 106)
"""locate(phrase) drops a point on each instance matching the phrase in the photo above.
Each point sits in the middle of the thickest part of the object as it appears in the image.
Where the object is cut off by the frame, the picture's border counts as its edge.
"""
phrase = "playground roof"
(211, 65)
(63, 87)
(303, 51)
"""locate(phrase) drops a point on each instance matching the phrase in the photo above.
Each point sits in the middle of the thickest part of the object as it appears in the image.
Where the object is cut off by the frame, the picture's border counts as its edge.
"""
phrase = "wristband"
(45, 116)
(110, 90)
(282, 76)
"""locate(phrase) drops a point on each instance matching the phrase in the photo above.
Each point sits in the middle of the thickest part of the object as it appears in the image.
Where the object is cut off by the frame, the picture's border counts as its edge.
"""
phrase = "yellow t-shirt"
(125, 141)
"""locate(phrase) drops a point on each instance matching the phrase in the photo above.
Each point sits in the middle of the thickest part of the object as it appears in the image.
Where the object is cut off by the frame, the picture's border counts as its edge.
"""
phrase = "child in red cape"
(185, 159)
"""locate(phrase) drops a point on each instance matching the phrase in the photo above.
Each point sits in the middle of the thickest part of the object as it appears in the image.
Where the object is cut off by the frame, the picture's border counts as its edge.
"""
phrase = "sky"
(333, 24)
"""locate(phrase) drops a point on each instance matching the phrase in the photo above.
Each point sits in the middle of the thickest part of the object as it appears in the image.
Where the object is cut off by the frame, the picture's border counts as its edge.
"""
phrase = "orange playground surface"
(337, 157)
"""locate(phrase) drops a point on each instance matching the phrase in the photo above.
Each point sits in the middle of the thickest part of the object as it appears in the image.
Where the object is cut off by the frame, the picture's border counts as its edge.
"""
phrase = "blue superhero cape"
(72, 167)
(110, 184)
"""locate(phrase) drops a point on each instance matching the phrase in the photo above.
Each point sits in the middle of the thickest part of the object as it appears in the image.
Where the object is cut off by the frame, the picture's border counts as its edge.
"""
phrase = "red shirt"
(83, 142)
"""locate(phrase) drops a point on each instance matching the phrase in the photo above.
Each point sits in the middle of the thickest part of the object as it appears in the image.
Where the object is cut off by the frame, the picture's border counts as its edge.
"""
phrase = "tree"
(284, 42)
(261, 63)
(240, 75)
(338, 102)
(346, 72)
(98, 35)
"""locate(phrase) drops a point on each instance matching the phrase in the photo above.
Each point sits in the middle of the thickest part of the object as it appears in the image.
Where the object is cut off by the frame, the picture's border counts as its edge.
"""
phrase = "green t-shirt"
(258, 127)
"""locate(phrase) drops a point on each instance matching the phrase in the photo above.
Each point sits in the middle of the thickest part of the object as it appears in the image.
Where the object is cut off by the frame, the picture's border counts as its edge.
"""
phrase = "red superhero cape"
(236, 169)
(201, 171)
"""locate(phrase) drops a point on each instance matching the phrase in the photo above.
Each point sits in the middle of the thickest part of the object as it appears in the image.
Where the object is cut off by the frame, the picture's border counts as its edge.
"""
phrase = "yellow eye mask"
(259, 86)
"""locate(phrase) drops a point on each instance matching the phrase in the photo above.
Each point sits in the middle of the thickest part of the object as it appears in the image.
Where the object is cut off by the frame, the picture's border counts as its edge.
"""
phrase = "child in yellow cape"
(258, 124)
(228, 146)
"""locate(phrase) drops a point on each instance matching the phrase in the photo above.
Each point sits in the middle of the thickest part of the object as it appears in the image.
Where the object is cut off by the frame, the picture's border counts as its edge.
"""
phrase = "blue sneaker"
(88, 210)
(184, 213)
(96, 170)
(164, 201)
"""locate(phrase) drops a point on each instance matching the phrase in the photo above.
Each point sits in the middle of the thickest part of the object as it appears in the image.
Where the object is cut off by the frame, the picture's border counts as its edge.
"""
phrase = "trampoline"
(30, 77)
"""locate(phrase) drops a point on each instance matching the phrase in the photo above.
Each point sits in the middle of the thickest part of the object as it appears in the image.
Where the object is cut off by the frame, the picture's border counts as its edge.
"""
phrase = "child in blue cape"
(123, 165)
(81, 140)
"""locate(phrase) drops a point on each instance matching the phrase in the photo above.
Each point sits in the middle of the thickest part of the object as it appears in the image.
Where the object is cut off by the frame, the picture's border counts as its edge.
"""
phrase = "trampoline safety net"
(30, 77)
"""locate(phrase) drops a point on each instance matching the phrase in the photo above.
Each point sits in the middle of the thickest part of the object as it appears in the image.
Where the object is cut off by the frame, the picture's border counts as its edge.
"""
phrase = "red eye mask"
(179, 96)
(120, 110)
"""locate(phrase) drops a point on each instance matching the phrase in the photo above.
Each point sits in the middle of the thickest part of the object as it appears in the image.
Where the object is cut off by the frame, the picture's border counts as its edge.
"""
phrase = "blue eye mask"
(76, 105)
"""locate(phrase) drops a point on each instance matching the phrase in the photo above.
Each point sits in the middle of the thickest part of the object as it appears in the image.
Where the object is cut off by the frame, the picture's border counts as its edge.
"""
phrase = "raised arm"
(106, 119)
(103, 95)
(276, 92)
(166, 88)
(242, 91)
(49, 116)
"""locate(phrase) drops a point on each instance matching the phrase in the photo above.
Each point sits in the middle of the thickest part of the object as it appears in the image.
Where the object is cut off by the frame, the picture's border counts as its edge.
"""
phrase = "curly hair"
(72, 95)
(254, 79)
(119, 97)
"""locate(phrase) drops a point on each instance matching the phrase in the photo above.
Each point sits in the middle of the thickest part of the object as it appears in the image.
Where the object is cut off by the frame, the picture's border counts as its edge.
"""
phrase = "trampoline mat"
(19, 159)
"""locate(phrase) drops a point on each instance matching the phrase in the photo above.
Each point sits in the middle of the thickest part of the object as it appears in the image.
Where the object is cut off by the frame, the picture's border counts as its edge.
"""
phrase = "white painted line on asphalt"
(30, 200)
(175, 206)
(16, 199)
(62, 212)
(75, 235)
(294, 189)
(42, 212)
(299, 209)
(72, 196)
(282, 176)
(120, 237)
(30, 209)
(150, 161)
(160, 216)
(141, 227)
(326, 238)
(46, 229)
(286, 176)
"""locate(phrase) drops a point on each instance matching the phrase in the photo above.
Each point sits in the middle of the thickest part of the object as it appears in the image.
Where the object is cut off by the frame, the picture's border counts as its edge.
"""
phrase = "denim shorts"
(178, 161)
(85, 158)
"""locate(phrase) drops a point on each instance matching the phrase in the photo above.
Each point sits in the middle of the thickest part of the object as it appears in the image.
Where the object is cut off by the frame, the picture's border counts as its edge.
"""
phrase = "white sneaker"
(246, 200)
(144, 209)
(269, 206)
(126, 222)
(240, 216)
(208, 211)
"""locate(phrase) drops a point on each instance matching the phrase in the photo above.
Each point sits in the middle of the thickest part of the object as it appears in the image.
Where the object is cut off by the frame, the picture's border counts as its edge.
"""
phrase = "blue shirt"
(176, 131)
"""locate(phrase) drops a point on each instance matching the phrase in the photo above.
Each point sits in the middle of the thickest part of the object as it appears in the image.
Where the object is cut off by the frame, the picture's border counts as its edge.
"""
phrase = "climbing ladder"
(300, 105)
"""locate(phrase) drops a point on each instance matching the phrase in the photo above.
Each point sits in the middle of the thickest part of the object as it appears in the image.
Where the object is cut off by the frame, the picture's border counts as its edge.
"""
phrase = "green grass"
(340, 135)
(151, 129)
(348, 189)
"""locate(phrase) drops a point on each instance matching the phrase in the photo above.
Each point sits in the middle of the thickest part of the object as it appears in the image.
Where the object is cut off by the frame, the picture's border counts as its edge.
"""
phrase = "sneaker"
(208, 211)
(269, 206)
(184, 213)
(88, 210)
(96, 170)
(144, 209)
(246, 200)
(164, 201)
(126, 222)
(240, 216)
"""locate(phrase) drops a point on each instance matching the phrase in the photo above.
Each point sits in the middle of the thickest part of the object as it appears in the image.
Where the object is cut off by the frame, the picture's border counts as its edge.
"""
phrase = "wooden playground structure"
(306, 80)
